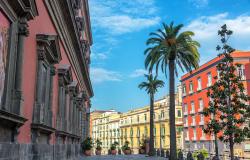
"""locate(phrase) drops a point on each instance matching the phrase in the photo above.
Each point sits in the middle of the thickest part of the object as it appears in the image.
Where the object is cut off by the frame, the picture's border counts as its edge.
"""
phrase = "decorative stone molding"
(65, 74)
(48, 48)
(23, 8)
(63, 17)
(80, 23)
(19, 12)
(48, 53)
(23, 27)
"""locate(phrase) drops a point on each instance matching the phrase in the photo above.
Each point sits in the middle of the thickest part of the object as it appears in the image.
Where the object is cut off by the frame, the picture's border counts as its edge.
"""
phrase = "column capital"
(23, 27)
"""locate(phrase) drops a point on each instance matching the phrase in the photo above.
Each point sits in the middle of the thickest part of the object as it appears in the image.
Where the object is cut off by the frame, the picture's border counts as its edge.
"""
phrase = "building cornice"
(63, 17)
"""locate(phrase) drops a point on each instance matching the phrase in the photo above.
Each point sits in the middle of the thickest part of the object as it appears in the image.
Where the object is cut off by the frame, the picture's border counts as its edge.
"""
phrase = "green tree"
(167, 48)
(228, 104)
(151, 86)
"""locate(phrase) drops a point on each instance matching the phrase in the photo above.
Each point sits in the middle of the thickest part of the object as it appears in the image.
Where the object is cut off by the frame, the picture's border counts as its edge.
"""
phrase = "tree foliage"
(168, 44)
(152, 84)
(228, 108)
(168, 48)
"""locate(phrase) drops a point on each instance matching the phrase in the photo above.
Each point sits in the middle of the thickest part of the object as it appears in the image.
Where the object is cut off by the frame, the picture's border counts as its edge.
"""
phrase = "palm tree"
(151, 86)
(168, 49)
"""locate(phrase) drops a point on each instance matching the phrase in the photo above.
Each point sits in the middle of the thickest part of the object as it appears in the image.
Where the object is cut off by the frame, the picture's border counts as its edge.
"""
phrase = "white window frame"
(201, 105)
(199, 84)
(209, 79)
(192, 107)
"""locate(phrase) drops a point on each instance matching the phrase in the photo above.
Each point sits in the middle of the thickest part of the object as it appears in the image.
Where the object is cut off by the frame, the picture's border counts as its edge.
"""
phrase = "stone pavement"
(121, 157)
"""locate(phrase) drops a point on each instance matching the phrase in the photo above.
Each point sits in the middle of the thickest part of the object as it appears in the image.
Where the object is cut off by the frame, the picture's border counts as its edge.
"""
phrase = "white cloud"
(206, 32)
(199, 3)
(122, 16)
(99, 75)
(99, 56)
(120, 24)
(138, 73)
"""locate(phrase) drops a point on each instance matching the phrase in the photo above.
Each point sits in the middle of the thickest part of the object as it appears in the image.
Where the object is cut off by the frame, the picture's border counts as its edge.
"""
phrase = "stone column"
(18, 97)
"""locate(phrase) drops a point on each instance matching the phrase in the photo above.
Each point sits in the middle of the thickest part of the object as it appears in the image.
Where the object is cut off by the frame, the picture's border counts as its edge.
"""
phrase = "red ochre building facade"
(194, 86)
(45, 87)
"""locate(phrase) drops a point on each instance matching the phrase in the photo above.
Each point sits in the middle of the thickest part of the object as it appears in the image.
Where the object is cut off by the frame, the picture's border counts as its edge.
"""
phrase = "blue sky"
(121, 27)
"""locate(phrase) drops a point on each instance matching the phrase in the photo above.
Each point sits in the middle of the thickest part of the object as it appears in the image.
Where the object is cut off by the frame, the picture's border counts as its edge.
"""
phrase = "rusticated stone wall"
(11, 151)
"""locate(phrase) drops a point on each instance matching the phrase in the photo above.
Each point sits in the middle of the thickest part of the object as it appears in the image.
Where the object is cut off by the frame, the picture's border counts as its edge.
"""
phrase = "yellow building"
(105, 127)
(134, 125)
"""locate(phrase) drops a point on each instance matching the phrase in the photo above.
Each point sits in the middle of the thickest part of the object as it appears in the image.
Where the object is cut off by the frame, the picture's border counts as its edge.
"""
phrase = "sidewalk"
(121, 157)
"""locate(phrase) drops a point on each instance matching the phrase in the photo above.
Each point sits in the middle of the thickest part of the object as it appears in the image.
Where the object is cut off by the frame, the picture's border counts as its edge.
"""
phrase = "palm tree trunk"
(173, 148)
(231, 145)
(151, 134)
(216, 145)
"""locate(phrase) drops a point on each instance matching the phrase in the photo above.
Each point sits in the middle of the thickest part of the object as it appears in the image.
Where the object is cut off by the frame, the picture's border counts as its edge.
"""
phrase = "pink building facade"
(45, 88)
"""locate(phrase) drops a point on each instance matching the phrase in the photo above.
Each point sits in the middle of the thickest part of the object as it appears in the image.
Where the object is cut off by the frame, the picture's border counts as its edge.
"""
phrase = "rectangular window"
(184, 90)
(193, 120)
(192, 107)
(201, 119)
(241, 72)
(162, 114)
(191, 88)
(185, 109)
(194, 131)
(186, 122)
(199, 84)
(138, 132)
(131, 132)
(209, 79)
(138, 118)
(145, 117)
(201, 107)
(179, 113)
